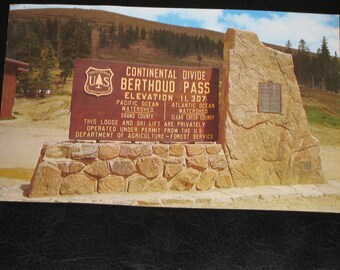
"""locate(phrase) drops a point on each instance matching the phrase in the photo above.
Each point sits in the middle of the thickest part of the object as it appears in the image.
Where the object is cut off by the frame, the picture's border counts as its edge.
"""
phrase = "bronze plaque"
(139, 102)
(269, 100)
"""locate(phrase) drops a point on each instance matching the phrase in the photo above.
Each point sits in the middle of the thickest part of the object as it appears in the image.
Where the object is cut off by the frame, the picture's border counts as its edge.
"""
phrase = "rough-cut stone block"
(220, 198)
(245, 193)
(149, 202)
(46, 181)
(97, 169)
(84, 151)
(111, 183)
(137, 183)
(70, 167)
(308, 190)
(156, 185)
(150, 166)
(218, 162)
(179, 199)
(194, 149)
(172, 169)
(266, 192)
(334, 184)
(161, 150)
(213, 149)
(176, 150)
(122, 167)
(78, 184)
(328, 189)
(223, 180)
(198, 162)
(185, 180)
(206, 180)
(286, 191)
(175, 160)
(108, 151)
(203, 200)
(135, 150)
(57, 151)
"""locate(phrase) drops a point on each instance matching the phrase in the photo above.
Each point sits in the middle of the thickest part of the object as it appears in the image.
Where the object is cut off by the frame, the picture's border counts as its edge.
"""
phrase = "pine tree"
(48, 63)
(29, 51)
(199, 58)
(103, 39)
(325, 63)
(112, 33)
(136, 33)
(302, 63)
(76, 43)
(289, 46)
(143, 34)
(335, 74)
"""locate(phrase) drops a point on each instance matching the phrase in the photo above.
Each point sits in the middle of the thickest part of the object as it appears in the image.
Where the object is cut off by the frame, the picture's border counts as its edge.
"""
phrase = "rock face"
(46, 181)
(264, 148)
(150, 166)
(185, 180)
(207, 180)
(111, 183)
(78, 184)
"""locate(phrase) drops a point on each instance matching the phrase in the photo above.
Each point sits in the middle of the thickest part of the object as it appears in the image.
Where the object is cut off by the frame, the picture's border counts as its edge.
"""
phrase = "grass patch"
(318, 116)
(17, 173)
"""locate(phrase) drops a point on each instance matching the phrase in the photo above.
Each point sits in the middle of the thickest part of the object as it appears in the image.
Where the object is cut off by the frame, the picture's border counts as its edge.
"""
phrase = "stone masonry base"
(68, 168)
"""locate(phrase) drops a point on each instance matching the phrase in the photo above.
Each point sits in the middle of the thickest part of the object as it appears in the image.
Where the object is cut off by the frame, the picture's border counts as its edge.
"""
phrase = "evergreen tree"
(335, 74)
(52, 32)
(302, 63)
(130, 35)
(136, 33)
(76, 43)
(112, 33)
(103, 39)
(120, 32)
(123, 37)
(48, 64)
(29, 51)
(39, 28)
(289, 46)
(143, 34)
(325, 65)
(199, 58)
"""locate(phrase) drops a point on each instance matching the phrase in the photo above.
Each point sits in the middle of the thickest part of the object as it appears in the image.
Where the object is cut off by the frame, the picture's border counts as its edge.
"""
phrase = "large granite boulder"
(264, 147)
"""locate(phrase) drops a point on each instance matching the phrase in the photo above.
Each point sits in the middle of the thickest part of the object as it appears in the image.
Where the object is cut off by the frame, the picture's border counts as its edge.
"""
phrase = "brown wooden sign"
(139, 102)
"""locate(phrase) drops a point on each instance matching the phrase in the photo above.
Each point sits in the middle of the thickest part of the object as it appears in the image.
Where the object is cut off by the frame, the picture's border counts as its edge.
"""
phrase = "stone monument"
(263, 139)
(263, 128)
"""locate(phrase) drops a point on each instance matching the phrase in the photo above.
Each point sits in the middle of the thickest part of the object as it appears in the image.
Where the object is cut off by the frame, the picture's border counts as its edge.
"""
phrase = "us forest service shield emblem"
(98, 81)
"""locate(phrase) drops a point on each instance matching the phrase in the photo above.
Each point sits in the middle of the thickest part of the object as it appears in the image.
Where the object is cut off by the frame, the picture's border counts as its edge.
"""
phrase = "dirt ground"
(22, 138)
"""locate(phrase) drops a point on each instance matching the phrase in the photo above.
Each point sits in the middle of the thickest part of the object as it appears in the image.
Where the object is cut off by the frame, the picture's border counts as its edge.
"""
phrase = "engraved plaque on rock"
(139, 102)
(269, 99)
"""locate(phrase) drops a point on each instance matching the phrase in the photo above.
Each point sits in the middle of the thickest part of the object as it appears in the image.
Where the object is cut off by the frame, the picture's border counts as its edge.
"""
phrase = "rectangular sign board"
(140, 102)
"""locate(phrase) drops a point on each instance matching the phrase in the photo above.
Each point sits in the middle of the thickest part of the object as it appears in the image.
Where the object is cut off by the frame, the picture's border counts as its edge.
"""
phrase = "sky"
(271, 27)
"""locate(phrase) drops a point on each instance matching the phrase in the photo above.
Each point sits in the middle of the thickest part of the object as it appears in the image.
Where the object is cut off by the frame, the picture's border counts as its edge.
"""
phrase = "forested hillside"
(316, 70)
(49, 40)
